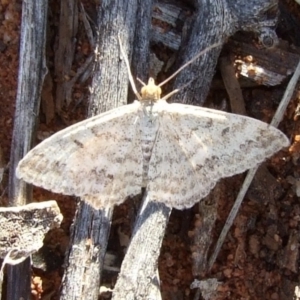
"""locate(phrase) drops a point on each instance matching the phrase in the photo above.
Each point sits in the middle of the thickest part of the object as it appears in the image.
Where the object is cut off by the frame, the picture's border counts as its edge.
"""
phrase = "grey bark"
(215, 22)
(140, 61)
(24, 227)
(84, 259)
(278, 63)
(64, 56)
(32, 70)
(232, 86)
(109, 90)
(138, 277)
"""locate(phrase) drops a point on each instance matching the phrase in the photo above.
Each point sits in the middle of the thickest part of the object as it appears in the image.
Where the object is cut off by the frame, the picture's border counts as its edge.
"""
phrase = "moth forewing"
(178, 152)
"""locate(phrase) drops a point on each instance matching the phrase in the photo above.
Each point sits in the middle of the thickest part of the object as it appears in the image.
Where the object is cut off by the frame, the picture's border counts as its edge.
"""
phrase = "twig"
(64, 55)
(87, 26)
(32, 71)
(138, 276)
(232, 86)
(69, 85)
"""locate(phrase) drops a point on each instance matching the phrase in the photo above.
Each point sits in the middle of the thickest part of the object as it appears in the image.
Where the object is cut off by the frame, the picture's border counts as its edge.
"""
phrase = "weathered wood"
(32, 70)
(24, 227)
(288, 257)
(68, 26)
(84, 259)
(202, 232)
(261, 69)
(232, 86)
(171, 16)
(2, 167)
(230, 17)
(138, 276)
(110, 82)
(140, 61)
(202, 31)
(258, 192)
(109, 90)
(266, 66)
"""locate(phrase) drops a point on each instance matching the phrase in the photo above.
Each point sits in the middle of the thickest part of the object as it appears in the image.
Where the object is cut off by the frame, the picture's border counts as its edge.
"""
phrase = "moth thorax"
(151, 91)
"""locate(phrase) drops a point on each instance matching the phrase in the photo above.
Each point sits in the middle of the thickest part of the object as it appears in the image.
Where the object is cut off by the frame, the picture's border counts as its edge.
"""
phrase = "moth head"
(151, 91)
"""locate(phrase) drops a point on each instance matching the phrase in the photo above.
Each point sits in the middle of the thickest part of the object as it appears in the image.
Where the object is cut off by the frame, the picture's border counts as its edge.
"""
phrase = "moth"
(177, 152)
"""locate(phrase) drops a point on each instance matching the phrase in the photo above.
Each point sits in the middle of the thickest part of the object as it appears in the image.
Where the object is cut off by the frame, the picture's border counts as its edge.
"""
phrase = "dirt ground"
(259, 259)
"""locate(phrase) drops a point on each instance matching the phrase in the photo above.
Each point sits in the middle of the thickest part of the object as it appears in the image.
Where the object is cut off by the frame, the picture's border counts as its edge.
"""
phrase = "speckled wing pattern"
(98, 159)
(101, 159)
(195, 147)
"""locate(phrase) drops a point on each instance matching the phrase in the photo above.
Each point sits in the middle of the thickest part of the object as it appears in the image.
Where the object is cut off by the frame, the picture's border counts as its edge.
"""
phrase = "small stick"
(232, 85)
(251, 173)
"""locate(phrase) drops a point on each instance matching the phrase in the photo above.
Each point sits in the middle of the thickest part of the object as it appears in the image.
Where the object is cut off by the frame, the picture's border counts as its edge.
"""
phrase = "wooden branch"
(266, 66)
(288, 257)
(231, 17)
(203, 32)
(110, 82)
(109, 89)
(85, 256)
(138, 276)
(32, 70)
(140, 61)
(2, 167)
(68, 26)
(202, 232)
(24, 227)
(261, 69)
(232, 86)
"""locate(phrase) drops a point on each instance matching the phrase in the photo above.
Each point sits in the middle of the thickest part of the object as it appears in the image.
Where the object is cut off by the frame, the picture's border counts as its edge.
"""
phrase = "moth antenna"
(129, 71)
(170, 94)
(190, 61)
(175, 91)
(141, 82)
